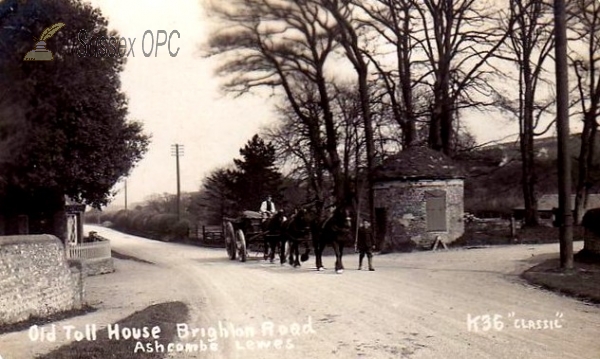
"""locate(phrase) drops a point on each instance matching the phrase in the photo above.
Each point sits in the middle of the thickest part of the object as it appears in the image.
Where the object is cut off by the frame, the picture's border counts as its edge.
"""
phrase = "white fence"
(86, 251)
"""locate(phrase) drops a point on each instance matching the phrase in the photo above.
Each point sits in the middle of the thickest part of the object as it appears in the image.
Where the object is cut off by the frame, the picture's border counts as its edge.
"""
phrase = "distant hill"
(493, 185)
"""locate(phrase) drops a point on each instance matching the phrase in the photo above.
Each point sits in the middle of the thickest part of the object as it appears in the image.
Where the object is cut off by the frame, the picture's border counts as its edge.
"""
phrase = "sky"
(178, 100)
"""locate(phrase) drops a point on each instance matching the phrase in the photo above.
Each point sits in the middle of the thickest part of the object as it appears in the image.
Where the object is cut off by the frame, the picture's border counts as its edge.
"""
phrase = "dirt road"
(419, 305)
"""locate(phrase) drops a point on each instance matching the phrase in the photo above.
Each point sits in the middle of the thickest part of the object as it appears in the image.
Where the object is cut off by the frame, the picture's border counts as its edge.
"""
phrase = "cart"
(244, 234)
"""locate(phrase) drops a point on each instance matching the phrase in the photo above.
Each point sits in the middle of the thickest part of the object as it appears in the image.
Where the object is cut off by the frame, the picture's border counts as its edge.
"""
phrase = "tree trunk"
(434, 139)
(529, 178)
(585, 154)
(366, 110)
(562, 127)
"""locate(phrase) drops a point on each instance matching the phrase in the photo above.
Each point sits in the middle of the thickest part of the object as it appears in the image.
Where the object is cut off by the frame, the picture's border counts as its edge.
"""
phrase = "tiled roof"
(418, 162)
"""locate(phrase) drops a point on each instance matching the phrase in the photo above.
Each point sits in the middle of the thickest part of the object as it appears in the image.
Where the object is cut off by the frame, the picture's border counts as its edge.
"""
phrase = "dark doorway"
(380, 226)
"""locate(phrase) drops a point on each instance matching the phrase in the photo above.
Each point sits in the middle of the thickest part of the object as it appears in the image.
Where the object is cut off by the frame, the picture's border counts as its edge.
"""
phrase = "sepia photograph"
(352, 179)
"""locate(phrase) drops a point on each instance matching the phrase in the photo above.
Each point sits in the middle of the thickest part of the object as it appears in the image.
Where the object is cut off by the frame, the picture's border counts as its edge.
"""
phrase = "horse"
(334, 231)
(273, 236)
(297, 227)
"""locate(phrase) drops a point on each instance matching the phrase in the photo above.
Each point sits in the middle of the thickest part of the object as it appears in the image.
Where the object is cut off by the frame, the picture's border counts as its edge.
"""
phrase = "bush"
(181, 229)
(591, 221)
(160, 226)
(138, 221)
(121, 219)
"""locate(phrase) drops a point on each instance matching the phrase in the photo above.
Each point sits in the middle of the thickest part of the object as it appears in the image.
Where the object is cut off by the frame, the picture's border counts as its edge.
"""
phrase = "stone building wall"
(405, 203)
(36, 280)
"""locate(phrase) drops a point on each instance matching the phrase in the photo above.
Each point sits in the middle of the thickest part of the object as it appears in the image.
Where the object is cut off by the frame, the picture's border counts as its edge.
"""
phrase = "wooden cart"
(243, 235)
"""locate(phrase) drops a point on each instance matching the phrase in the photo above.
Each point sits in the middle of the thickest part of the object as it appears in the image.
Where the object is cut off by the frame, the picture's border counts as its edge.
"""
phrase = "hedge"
(161, 226)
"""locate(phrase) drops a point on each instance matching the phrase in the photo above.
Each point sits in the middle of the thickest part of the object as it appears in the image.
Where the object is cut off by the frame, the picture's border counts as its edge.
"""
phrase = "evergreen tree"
(215, 199)
(63, 125)
(256, 175)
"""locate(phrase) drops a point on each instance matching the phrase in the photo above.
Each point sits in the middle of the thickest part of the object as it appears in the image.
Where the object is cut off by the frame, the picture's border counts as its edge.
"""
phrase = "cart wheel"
(241, 245)
(230, 240)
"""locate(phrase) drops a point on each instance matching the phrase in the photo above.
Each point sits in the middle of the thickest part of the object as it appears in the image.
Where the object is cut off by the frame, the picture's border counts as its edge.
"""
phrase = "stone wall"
(36, 280)
(405, 204)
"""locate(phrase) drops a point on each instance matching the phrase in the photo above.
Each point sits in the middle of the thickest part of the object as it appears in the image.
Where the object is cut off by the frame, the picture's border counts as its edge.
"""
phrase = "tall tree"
(584, 28)
(283, 45)
(291, 139)
(394, 21)
(217, 196)
(255, 175)
(565, 215)
(530, 44)
(76, 138)
(349, 38)
(458, 38)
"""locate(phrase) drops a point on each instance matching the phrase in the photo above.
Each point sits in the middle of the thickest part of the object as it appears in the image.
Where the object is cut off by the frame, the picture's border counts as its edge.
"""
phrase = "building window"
(436, 210)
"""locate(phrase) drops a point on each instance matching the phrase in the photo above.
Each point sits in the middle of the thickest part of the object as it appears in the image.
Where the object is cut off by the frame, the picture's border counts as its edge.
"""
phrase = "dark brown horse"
(296, 229)
(273, 237)
(335, 230)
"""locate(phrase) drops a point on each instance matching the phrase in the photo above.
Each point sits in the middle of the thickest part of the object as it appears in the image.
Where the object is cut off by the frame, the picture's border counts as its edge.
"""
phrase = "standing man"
(365, 244)
(267, 207)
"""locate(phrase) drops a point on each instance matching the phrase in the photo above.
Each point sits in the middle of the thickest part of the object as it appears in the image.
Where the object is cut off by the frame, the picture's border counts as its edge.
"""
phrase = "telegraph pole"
(177, 151)
(562, 132)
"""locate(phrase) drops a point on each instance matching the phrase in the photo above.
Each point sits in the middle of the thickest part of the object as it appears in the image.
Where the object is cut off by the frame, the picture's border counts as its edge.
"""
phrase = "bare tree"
(292, 141)
(349, 38)
(458, 38)
(283, 45)
(584, 27)
(531, 43)
(393, 21)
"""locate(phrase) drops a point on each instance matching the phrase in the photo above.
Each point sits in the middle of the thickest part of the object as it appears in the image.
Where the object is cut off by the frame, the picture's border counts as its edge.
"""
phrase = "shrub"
(138, 221)
(591, 221)
(121, 219)
(161, 224)
(181, 229)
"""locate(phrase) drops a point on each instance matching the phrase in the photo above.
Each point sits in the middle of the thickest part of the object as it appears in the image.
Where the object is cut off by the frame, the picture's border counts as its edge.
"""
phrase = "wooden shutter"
(436, 210)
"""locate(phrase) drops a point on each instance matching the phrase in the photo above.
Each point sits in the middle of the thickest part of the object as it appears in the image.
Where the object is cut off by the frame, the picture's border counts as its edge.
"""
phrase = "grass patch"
(544, 234)
(164, 315)
(26, 324)
(481, 234)
(582, 282)
(118, 255)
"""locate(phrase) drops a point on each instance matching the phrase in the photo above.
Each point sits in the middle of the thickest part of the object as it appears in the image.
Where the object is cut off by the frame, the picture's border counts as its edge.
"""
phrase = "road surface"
(444, 304)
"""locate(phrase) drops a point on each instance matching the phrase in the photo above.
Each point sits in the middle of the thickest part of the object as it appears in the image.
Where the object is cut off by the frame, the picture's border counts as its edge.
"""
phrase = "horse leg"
(296, 254)
(282, 244)
(341, 255)
(273, 249)
(318, 259)
(290, 254)
(338, 258)
(266, 246)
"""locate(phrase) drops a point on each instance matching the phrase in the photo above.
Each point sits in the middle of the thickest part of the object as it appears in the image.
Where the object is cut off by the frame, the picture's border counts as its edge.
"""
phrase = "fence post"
(513, 227)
